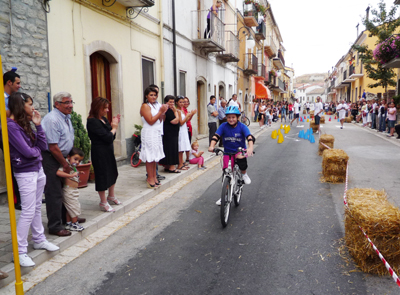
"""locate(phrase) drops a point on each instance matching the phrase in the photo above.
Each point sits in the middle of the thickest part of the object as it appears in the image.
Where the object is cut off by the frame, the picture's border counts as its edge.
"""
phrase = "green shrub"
(82, 140)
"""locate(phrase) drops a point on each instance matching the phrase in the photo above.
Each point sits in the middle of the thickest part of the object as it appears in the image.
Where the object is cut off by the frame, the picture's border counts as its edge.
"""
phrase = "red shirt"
(188, 123)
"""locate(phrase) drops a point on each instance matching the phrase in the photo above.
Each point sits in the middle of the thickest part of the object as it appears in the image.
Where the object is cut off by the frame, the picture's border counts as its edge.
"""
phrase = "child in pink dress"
(195, 156)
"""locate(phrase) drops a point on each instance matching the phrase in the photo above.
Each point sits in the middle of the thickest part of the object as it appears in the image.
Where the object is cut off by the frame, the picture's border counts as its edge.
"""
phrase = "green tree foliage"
(82, 140)
(382, 24)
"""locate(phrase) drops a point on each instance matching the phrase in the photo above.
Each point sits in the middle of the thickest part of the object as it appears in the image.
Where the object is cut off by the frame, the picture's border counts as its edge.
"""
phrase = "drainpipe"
(162, 51)
(174, 47)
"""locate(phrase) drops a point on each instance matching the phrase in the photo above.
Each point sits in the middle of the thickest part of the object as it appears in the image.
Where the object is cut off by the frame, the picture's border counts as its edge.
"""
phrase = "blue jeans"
(283, 115)
(290, 115)
(382, 122)
(373, 123)
(255, 116)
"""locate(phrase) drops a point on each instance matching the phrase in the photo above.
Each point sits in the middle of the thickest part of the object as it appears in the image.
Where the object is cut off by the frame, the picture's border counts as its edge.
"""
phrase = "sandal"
(114, 200)
(173, 171)
(183, 168)
(106, 207)
(151, 185)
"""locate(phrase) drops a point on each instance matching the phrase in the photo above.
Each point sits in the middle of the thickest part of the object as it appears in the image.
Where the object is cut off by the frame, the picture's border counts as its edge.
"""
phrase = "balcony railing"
(261, 70)
(250, 14)
(281, 85)
(208, 36)
(250, 64)
(351, 70)
(231, 53)
(261, 32)
(344, 75)
(270, 46)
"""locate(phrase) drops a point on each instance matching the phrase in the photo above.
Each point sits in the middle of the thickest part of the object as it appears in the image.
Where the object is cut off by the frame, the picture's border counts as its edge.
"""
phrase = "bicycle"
(245, 120)
(135, 158)
(232, 184)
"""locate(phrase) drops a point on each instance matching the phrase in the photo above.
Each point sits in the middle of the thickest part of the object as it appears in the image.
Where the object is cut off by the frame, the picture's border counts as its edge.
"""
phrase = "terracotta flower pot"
(84, 171)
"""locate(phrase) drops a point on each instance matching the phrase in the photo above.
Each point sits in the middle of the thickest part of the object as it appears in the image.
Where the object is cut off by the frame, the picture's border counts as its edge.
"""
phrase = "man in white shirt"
(308, 107)
(318, 112)
(296, 108)
(234, 102)
(374, 114)
(342, 108)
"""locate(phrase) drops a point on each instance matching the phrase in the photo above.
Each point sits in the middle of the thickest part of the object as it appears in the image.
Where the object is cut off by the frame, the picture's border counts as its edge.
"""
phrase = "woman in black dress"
(102, 135)
(171, 136)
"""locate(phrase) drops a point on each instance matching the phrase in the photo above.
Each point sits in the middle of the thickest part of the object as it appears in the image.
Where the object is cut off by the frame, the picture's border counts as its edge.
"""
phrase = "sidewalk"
(131, 189)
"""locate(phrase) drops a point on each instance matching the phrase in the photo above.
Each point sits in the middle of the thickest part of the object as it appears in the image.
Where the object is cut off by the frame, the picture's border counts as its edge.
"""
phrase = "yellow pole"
(19, 288)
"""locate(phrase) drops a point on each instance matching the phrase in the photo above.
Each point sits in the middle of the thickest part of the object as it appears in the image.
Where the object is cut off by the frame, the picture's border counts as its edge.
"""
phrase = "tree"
(383, 25)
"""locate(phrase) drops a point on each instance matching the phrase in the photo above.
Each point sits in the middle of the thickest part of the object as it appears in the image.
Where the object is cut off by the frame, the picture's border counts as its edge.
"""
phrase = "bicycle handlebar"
(240, 150)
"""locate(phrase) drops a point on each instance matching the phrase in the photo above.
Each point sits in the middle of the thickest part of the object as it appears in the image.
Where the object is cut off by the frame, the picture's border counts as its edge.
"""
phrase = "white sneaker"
(46, 245)
(25, 260)
(218, 203)
(246, 179)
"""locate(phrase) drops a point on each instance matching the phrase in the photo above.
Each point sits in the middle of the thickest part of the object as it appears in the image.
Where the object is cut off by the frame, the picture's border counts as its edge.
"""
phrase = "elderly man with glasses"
(60, 139)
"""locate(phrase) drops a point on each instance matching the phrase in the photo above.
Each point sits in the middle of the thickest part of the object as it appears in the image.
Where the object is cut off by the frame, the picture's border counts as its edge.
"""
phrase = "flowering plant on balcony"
(387, 50)
(273, 72)
(248, 1)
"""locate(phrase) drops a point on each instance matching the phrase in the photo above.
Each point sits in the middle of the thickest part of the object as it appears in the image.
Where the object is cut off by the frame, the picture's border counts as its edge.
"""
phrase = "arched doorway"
(108, 62)
(100, 77)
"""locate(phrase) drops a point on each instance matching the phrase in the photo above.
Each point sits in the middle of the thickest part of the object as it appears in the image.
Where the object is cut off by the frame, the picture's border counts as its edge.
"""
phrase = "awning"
(262, 91)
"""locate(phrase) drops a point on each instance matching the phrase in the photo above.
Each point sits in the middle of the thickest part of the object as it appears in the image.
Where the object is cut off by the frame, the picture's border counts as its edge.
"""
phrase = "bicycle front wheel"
(225, 202)
(135, 160)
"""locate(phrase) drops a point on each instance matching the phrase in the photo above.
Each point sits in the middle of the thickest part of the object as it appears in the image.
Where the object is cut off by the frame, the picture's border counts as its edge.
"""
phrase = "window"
(147, 72)
(182, 83)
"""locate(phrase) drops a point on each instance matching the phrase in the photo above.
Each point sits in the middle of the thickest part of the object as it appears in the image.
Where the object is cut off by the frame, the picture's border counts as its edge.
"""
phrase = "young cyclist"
(233, 135)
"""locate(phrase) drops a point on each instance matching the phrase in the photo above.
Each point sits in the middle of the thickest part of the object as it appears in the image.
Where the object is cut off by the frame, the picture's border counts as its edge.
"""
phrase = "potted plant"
(82, 142)
(387, 50)
(91, 174)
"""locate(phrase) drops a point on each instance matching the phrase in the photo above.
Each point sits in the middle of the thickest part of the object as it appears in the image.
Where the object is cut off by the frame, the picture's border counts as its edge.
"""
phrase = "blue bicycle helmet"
(232, 110)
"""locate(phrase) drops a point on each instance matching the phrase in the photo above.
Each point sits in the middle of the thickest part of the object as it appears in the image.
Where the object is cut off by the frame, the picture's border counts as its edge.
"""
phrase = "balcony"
(261, 71)
(270, 47)
(250, 15)
(207, 39)
(347, 79)
(278, 63)
(261, 31)
(250, 64)
(353, 74)
(231, 53)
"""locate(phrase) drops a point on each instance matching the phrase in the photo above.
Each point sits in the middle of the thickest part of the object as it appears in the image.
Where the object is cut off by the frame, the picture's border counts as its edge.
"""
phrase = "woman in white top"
(152, 113)
(261, 114)
(184, 143)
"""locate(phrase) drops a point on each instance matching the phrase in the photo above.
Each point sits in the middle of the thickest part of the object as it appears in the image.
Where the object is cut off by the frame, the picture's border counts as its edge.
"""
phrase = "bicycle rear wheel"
(135, 160)
(225, 202)
(246, 121)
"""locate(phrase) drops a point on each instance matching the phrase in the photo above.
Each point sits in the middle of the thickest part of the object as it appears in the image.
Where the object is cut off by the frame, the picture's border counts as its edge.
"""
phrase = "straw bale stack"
(304, 112)
(313, 126)
(311, 113)
(326, 139)
(334, 165)
(380, 219)
(322, 120)
(347, 119)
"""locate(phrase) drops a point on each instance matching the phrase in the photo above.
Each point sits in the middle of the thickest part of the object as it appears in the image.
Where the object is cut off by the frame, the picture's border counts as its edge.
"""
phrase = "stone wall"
(23, 44)
(23, 41)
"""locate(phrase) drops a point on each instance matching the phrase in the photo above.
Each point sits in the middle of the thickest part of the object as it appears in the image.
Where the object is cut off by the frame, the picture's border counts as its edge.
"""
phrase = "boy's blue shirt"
(233, 137)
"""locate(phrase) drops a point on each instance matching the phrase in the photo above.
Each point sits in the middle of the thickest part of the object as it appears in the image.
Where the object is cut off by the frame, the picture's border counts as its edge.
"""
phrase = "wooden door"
(100, 74)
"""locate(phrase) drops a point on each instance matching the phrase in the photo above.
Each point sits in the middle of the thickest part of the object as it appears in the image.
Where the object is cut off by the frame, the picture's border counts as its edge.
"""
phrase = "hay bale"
(380, 219)
(304, 112)
(322, 120)
(326, 139)
(347, 120)
(311, 113)
(313, 126)
(334, 165)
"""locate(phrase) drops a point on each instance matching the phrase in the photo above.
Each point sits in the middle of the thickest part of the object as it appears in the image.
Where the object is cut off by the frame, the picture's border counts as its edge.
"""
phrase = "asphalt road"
(284, 238)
